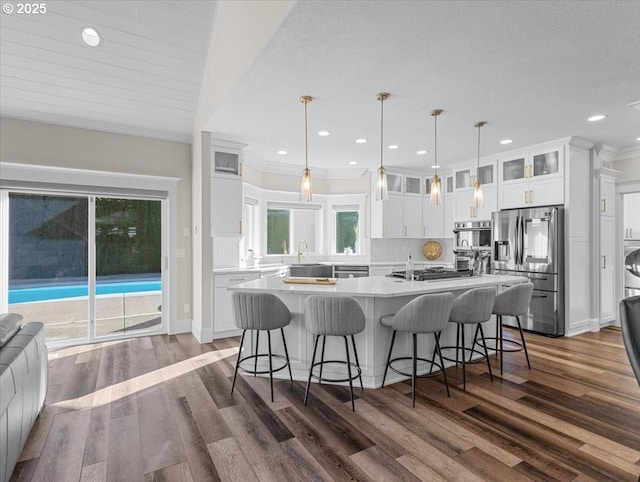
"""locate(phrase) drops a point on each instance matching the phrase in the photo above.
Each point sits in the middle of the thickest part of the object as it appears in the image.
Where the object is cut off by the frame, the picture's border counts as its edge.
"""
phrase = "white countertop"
(376, 286)
(257, 269)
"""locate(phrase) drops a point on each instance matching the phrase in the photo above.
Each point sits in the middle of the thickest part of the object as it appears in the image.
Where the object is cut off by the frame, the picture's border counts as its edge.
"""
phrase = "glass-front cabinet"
(531, 166)
(533, 179)
(466, 178)
(394, 183)
(413, 185)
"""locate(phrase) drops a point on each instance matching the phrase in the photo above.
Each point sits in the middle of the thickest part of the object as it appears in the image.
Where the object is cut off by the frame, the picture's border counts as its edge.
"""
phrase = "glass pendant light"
(382, 192)
(478, 197)
(305, 183)
(435, 180)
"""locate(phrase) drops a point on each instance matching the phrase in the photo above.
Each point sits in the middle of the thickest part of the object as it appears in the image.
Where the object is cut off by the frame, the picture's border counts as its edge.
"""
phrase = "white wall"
(57, 146)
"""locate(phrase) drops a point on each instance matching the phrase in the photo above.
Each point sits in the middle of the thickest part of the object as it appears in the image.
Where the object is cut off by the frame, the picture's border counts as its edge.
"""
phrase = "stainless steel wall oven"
(470, 236)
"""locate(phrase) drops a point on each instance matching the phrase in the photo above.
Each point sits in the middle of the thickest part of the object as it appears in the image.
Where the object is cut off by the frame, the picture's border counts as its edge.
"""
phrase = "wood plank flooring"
(159, 409)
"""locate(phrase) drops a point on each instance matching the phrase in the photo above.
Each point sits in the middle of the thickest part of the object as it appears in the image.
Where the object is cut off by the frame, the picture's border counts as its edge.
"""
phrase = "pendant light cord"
(435, 144)
(306, 141)
(381, 129)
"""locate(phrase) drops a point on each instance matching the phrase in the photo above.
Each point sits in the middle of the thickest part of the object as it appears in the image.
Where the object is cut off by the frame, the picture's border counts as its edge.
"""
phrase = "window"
(287, 223)
(346, 227)
(347, 232)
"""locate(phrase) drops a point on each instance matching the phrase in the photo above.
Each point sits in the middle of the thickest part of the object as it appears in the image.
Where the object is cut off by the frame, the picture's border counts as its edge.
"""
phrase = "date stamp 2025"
(24, 8)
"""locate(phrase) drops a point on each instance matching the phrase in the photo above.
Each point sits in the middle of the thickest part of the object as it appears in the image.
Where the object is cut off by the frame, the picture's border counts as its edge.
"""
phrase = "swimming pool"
(57, 292)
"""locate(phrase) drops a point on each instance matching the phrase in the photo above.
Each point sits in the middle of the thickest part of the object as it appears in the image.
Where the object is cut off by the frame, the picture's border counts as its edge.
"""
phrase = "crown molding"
(265, 166)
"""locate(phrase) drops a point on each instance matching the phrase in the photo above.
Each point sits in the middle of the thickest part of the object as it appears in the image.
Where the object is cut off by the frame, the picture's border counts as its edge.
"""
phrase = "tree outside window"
(347, 232)
(278, 223)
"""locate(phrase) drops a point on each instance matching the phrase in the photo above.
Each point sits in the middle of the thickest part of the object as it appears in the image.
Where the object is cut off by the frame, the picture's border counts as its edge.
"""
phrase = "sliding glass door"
(48, 254)
(88, 267)
(128, 258)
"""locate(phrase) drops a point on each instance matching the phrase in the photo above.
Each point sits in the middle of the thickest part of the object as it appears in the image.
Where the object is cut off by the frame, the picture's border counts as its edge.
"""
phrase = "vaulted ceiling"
(534, 70)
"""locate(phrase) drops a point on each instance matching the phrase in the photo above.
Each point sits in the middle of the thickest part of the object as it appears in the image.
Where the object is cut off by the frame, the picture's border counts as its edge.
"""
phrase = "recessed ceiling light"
(394, 146)
(638, 139)
(420, 153)
(506, 141)
(353, 163)
(435, 166)
(595, 118)
(91, 37)
(282, 153)
(323, 133)
(360, 141)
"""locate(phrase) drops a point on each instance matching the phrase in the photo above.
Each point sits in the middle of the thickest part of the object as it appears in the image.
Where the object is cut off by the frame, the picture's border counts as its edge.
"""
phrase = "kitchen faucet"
(305, 245)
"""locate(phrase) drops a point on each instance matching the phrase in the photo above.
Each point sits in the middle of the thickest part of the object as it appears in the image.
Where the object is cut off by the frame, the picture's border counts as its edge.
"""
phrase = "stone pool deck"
(67, 319)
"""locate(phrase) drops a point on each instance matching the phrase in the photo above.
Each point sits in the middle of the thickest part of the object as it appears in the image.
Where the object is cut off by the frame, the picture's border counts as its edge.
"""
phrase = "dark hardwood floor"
(159, 409)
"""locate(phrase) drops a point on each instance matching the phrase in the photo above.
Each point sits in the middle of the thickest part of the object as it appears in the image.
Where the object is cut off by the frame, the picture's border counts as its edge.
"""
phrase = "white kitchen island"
(378, 296)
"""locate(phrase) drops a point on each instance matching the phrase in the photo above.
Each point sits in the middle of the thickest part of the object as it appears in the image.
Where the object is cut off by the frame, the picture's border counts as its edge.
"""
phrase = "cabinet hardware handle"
(236, 279)
(240, 169)
(424, 231)
(240, 226)
(405, 231)
(604, 206)
(604, 261)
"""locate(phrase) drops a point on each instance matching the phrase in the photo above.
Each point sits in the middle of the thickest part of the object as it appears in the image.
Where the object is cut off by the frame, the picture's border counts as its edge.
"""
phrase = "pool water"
(57, 292)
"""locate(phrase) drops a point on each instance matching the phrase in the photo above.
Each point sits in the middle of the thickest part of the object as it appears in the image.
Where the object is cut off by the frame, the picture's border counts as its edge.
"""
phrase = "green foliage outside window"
(278, 223)
(346, 231)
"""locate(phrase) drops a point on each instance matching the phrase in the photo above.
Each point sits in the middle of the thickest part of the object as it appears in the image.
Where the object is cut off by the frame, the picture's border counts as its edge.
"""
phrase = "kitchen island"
(378, 296)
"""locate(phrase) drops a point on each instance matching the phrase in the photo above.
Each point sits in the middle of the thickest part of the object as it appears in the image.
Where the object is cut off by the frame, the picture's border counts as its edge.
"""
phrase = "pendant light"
(382, 192)
(305, 183)
(478, 197)
(435, 180)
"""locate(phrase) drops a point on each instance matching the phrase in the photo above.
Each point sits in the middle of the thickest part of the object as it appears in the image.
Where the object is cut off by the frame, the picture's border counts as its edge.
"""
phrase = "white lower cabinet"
(223, 324)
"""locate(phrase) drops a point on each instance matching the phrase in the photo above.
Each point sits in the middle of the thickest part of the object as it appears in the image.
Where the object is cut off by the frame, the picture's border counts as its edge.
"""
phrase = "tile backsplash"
(390, 249)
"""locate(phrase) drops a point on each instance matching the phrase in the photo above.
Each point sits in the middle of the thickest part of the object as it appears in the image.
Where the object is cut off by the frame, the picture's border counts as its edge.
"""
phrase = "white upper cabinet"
(226, 192)
(532, 179)
(432, 216)
(226, 163)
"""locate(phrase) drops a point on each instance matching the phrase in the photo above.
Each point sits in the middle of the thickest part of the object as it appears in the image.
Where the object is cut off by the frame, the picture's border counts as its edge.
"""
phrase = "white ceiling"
(534, 70)
(143, 80)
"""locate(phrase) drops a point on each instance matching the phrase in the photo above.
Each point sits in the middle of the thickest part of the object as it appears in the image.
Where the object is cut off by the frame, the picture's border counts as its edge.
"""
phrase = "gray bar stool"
(333, 316)
(472, 307)
(260, 312)
(513, 301)
(425, 314)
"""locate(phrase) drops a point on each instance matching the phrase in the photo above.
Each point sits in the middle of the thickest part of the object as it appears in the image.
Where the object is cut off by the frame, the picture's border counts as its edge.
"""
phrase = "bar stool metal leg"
(270, 363)
(313, 360)
(255, 364)
(524, 344)
(324, 342)
(393, 339)
(355, 352)
(286, 352)
(444, 372)
(413, 372)
(346, 347)
(235, 372)
(486, 352)
(464, 360)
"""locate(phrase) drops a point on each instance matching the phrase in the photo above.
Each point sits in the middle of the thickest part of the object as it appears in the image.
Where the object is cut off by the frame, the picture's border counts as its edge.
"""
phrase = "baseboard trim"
(180, 326)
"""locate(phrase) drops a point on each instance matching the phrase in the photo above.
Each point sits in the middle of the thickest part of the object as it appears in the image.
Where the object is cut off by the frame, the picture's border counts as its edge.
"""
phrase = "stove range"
(432, 274)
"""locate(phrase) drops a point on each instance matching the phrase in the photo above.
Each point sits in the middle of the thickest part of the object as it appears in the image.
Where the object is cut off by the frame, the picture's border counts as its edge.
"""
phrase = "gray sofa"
(23, 386)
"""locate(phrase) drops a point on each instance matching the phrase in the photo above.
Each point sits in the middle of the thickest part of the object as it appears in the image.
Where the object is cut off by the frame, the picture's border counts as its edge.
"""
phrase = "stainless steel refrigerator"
(530, 243)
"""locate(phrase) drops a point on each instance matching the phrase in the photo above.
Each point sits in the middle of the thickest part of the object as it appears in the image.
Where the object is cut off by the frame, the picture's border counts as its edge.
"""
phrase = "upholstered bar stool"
(260, 312)
(472, 307)
(333, 316)
(425, 314)
(513, 301)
